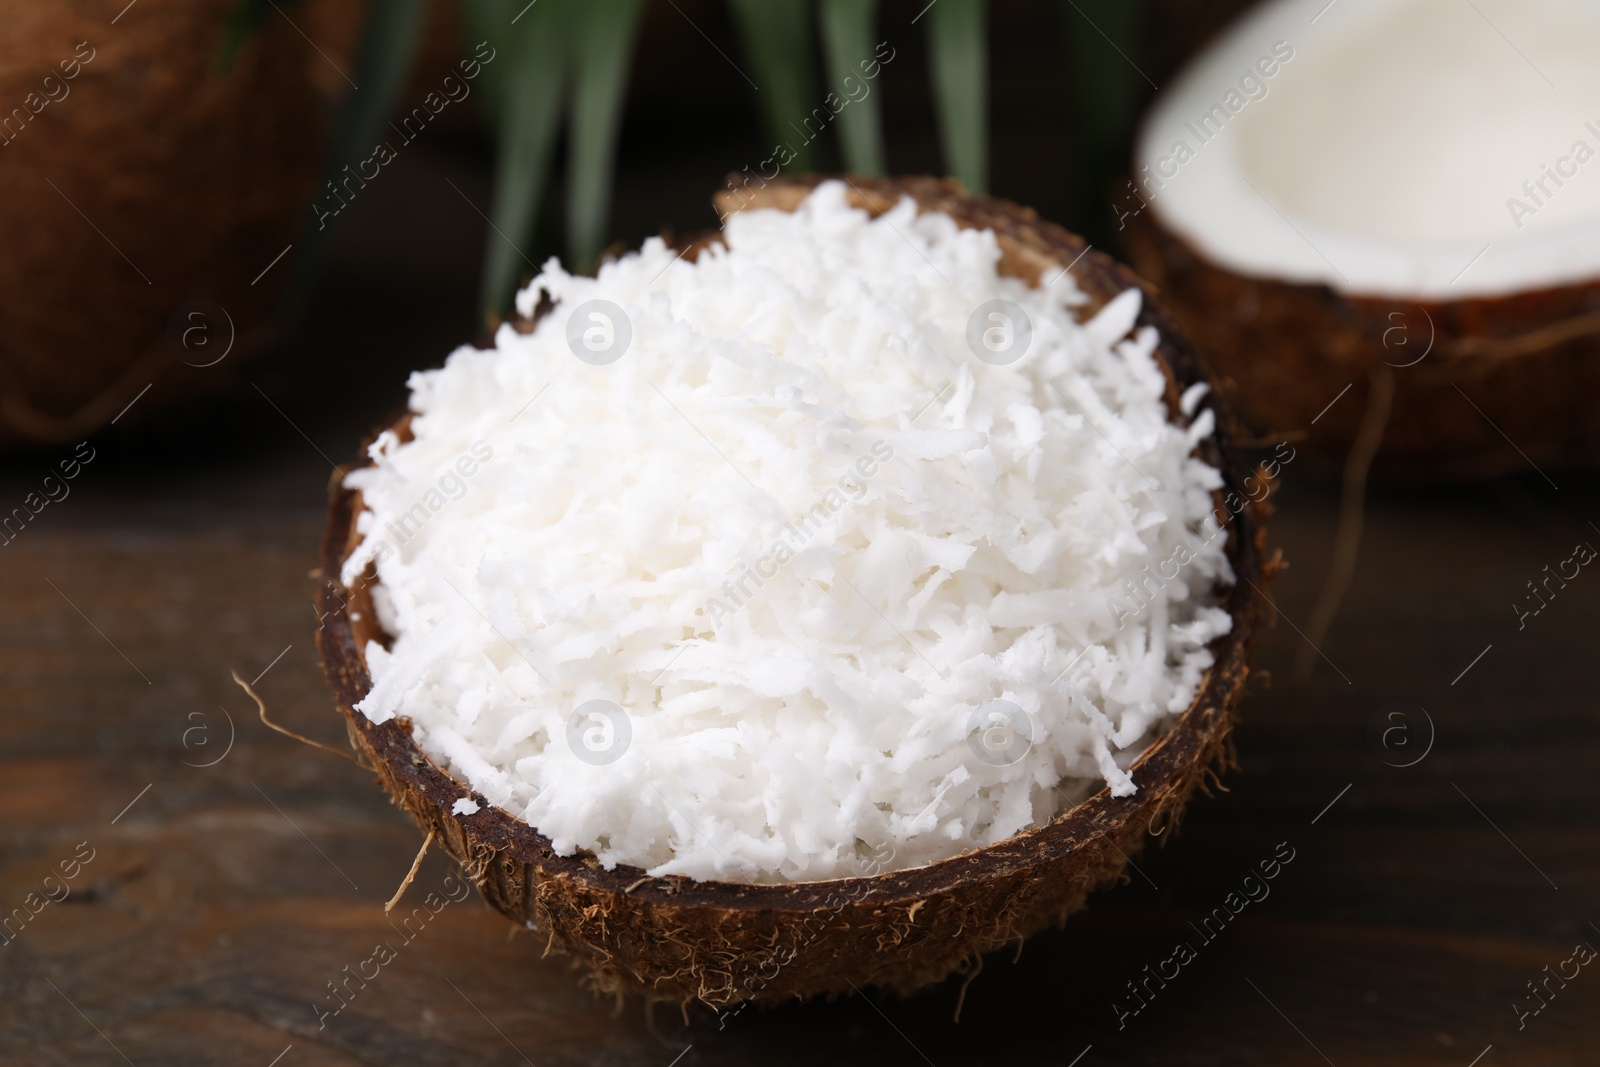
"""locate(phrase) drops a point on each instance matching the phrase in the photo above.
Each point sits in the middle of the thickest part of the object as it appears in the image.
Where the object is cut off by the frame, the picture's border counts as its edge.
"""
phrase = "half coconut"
(682, 939)
(1340, 200)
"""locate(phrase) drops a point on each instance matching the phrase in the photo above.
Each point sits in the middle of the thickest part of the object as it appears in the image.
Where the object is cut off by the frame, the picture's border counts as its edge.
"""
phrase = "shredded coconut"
(783, 571)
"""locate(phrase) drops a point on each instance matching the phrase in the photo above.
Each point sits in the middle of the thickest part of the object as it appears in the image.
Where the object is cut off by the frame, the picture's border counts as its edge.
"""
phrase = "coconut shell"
(156, 179)
(1482, 386)
(678, 939)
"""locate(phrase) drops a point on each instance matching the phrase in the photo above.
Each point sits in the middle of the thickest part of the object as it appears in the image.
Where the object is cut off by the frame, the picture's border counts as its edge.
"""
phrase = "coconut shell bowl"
(680, 940)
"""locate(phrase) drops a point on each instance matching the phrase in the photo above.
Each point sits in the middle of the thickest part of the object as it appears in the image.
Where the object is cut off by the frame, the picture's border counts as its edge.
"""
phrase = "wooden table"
(229, 885)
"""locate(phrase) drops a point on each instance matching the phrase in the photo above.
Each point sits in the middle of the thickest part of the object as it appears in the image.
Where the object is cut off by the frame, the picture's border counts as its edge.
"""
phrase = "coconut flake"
(797, 579)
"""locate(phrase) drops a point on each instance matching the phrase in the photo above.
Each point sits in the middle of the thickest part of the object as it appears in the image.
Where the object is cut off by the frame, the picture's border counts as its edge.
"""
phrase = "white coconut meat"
(1433, 149)
(796, 587)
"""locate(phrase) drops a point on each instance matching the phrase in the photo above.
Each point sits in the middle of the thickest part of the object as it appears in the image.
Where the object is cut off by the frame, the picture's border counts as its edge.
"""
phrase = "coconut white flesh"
(1386, 156)
(819, 722)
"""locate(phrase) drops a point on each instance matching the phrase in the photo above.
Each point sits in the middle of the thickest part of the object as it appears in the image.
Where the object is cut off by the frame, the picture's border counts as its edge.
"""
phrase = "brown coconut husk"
(198, 177)
(682, 940)
(1507, 382)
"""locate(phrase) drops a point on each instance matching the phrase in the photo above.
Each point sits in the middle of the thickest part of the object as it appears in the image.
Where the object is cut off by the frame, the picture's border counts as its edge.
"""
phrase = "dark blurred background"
(400, 284)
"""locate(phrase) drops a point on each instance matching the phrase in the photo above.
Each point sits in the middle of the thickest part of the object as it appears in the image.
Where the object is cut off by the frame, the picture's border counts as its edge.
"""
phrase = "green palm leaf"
(488, 21)
(604, 33)
(847, 27)
(1106, 84)
(388, 46)
(524, 96)
(958, 58)
(777, 41)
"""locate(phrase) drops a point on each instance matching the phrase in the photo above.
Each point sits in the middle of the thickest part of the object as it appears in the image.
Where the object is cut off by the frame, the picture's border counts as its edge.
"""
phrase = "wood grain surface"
(222, 900)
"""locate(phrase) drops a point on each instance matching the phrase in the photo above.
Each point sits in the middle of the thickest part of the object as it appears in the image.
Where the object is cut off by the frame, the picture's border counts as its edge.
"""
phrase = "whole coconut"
(143, 190)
